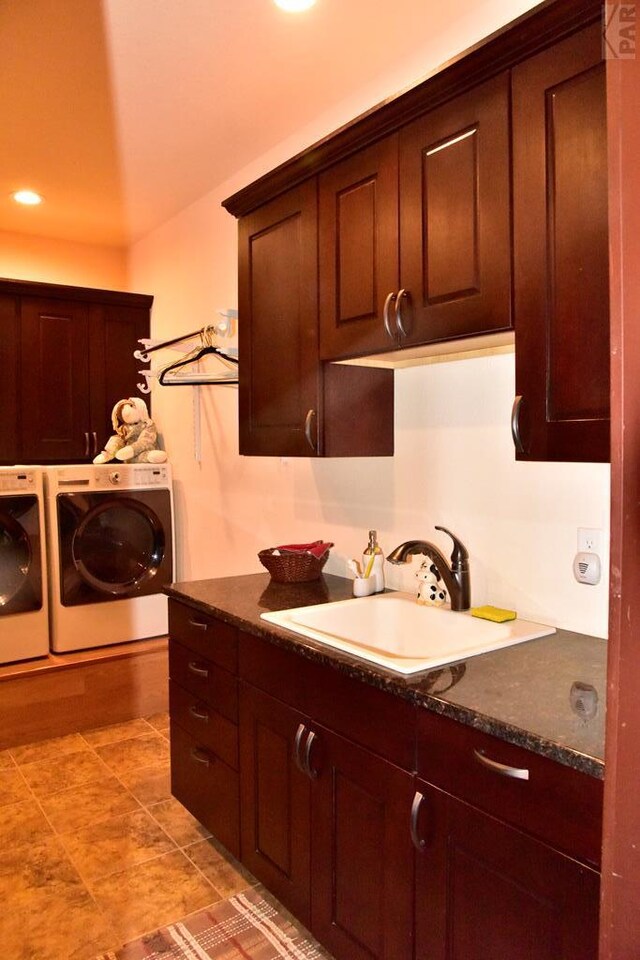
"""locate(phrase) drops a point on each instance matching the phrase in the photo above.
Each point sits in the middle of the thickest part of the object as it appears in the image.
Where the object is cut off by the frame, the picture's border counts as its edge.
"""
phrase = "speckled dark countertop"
(520, 694)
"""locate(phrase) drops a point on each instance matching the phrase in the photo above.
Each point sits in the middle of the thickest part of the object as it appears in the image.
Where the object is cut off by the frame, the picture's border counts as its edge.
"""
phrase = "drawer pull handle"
(402, 295)
(297, 743)
(198, 625)
(385, 315)
(516, 773)
(416, 839)
(310, 772)
(308, 431)
(199, 671)
(199, 756)
(515, 425)
(197, 715)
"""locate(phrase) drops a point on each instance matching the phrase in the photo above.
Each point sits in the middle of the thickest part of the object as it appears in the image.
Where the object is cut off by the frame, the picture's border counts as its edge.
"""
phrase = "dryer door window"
(20, 572)
(113, 546)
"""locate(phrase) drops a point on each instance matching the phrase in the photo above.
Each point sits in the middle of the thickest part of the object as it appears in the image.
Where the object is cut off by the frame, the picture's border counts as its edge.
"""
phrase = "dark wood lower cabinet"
(485, 891)
(361, 896)
(352, 837)
(274, 800)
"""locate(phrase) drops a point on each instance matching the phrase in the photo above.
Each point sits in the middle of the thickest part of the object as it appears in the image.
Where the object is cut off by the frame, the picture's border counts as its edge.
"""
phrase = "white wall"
(454, 463)
(49, 260)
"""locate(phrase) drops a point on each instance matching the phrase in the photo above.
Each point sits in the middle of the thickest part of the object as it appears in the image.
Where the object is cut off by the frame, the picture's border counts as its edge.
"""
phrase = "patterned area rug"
(245, 926)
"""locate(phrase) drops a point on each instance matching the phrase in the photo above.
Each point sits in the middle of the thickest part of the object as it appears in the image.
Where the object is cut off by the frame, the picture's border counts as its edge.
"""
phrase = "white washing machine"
(110, 534)
(24, 621)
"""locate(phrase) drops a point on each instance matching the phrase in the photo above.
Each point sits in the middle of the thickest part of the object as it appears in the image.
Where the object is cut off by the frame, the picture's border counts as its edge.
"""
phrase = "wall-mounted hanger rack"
(174, 374)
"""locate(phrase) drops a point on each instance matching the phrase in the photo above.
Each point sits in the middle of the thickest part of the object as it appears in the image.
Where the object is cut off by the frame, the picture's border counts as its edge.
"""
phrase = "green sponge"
(493, 613)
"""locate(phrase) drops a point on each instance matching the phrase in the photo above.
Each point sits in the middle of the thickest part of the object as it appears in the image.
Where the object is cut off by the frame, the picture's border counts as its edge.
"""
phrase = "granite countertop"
(521, 694)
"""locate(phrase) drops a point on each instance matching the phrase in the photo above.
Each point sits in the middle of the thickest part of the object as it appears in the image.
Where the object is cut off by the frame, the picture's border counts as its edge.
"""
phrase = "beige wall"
(23, 257)
(454, 463)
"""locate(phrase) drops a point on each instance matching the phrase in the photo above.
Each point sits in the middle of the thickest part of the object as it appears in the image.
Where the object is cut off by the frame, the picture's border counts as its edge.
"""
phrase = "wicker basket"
(292, 567)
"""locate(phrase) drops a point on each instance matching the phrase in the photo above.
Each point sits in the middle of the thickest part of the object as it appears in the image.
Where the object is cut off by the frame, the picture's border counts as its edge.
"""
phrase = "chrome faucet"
(456, 577)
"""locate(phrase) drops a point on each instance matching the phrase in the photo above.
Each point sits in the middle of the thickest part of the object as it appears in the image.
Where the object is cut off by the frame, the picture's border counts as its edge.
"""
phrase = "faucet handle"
(459, 554)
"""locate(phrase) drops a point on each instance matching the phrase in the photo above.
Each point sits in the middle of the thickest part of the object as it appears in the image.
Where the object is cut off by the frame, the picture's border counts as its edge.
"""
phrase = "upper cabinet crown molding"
(57, 291)
(546, 24)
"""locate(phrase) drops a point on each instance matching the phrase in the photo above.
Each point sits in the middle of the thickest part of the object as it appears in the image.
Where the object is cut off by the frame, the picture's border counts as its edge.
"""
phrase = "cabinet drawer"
(204, 724)
(211, 638)
(379, 721)
(553, 802)
(204, 680)
(207, 787)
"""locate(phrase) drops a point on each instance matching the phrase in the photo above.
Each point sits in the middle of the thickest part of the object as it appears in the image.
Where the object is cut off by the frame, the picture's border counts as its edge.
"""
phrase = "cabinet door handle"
(416, 839)
(198, 625)
(307, 429)
(385, 314)
(306, 760)
(199, 756)
(198, 715)
(297, 743)
(402, 295)
(515, 425)
(199, 671)
(95, 442)
(86, 443)
(516, 773)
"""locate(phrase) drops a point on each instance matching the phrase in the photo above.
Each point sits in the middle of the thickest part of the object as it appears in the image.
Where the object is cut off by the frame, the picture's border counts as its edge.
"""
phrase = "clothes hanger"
(208, 348)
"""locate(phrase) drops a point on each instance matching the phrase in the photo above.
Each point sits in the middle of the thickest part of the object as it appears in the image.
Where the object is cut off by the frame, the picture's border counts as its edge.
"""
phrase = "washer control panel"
(17, 480)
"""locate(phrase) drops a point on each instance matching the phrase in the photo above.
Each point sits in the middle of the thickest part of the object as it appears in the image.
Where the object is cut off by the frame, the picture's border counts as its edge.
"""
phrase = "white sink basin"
(391, 629)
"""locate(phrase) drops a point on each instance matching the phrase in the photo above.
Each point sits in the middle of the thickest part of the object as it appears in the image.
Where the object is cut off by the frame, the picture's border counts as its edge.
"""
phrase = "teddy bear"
(135, 436)
(431, 592)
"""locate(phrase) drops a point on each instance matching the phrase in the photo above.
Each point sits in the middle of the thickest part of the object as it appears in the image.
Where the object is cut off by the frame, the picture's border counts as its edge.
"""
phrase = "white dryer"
(24, 622)
(110, 552)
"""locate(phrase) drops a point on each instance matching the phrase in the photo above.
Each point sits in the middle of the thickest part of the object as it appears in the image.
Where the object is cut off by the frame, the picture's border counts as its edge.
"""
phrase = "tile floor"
(94, 851)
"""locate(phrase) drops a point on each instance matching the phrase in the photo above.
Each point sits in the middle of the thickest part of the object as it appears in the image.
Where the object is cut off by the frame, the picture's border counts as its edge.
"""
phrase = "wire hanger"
(207, 348)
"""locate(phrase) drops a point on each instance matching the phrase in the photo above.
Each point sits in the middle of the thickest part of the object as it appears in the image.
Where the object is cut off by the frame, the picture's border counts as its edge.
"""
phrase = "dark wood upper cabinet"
(415, 231)
(359, 251)
(291, 404)
(56, 414)
(455, 219)
(484, 890)
(561, 253)
(279, 374)
(67, 357)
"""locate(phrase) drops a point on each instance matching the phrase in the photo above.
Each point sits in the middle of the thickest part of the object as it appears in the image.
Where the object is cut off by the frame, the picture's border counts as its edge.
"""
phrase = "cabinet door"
(455, 218)
(114, 334)
(358, 251)
(486, 891)
(279, 375)
(56, 416)
(561, 253)
(275, 800)
(9, 365)
(361, 852)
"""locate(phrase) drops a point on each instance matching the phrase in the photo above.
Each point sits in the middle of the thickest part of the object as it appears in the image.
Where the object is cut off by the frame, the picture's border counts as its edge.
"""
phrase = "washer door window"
(20, 566)
(113, 546)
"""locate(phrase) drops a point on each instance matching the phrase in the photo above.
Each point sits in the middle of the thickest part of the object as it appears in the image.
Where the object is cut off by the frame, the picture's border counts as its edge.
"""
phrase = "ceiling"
(122, 112)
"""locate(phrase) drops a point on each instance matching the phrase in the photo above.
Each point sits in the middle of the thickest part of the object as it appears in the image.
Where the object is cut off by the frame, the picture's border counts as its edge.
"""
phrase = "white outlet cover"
(589, 539)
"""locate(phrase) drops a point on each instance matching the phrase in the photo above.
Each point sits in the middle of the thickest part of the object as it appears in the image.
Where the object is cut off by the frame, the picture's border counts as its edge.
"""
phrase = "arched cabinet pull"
(297, 745)
(307, 429)
(516, 773)
(416, 839)
(402, 295)
(311, 773)
(385, 314)
(515, 424)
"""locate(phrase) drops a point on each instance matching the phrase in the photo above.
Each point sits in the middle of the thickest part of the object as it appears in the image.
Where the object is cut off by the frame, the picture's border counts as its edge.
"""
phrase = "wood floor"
(63, 693)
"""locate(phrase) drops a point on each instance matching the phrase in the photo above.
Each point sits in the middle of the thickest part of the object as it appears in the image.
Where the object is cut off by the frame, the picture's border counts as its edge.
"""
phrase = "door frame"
(619, 916)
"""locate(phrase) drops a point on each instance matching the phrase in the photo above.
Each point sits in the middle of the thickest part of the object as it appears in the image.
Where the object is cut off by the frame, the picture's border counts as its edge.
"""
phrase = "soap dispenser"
(377, 570)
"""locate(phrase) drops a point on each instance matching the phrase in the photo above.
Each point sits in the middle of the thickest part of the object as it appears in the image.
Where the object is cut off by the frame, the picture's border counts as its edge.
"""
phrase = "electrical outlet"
(589, 540)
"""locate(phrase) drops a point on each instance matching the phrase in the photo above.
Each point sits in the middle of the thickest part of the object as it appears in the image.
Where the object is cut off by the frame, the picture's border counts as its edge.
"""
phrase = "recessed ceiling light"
(28, 197)
(294, 6)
